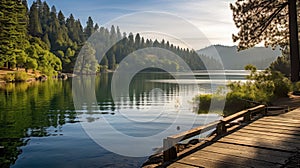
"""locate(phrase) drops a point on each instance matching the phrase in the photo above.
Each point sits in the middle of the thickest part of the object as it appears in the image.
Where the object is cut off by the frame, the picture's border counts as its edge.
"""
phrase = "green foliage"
(9, 77)
(21, 76)
(42, 59)
(233, 103)
(32, 64)
(281, 64)
(35, 28)
(261, 88)
(89, 30)
(60, 54)
(13, 32)
(296, 86)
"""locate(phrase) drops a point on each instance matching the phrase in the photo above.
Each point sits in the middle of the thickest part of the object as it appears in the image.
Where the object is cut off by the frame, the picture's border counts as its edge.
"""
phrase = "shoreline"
(32, 76)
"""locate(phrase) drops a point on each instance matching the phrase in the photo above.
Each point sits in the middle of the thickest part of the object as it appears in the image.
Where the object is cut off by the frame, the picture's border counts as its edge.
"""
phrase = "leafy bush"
(21, 76)
(296, 86)
(9, 77)
(233, 104)
(281, 64)
(261, 88)
(272, 83)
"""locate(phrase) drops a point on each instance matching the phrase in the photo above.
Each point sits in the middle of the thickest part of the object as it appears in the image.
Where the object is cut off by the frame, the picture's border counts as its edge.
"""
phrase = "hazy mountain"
(261, 57)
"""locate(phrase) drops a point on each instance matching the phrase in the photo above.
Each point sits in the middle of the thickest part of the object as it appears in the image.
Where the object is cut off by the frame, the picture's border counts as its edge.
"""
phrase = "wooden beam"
(193, 132)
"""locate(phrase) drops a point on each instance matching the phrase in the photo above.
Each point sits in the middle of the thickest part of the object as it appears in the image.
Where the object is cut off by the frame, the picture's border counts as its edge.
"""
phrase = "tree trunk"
(8, 65)
(294, 41)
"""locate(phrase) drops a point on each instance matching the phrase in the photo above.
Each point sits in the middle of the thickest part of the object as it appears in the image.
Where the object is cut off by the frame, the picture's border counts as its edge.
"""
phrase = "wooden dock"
(263, 141)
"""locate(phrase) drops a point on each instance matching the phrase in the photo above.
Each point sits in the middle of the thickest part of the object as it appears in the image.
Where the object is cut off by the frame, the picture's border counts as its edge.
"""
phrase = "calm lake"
(40, 127)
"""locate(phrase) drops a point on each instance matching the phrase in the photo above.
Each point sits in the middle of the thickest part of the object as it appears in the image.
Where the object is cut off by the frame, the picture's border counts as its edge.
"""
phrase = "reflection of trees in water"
(11, 151)
(140, 91)
(28, 109)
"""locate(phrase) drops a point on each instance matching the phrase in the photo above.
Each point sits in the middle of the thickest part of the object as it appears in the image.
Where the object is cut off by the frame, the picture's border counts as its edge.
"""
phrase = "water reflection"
(43, 113)
(28, 110)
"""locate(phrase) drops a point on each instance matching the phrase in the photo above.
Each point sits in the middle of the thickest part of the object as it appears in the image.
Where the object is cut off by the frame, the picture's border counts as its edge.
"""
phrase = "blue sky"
(211, 17)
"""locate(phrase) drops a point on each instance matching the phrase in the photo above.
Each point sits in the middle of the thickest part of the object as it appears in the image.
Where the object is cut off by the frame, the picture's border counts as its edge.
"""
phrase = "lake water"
(41, 127)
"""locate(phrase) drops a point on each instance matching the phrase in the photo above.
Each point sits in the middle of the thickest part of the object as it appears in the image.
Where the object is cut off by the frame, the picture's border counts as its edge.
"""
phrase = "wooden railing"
(220, 126)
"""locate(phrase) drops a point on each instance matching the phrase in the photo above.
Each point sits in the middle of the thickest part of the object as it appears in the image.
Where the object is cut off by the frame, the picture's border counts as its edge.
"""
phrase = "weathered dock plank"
(230, 160)
(274, 126)
(260, 156)
(279, 119)
(265, 139)
(289, 132)
(259, 133)
(182, 165)
(268, 135)
(208, 163)
(260, 144)
(248, 149)
(277, 123)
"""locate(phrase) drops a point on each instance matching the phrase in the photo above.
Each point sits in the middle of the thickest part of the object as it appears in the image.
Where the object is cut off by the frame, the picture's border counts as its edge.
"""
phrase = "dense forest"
(41, 38)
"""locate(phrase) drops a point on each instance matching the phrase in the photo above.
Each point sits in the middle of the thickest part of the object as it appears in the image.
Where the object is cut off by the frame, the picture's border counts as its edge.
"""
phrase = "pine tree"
(35, 28)
(44, 17)
(96, 28)
(46, 40)
(137, 41)
(119, 35)
(61, 18)
(89, 30)
(22, 33)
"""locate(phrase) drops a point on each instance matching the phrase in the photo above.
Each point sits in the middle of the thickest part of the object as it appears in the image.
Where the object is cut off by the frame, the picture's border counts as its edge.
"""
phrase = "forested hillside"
(41, 38)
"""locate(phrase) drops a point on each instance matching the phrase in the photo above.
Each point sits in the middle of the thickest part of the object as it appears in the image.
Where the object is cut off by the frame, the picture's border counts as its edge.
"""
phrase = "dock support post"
(247, 116)
(170, 152)
(221, 128)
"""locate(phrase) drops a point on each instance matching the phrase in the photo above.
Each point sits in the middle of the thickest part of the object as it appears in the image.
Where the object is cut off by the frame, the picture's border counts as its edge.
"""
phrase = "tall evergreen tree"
(22, 33)
(137, 41)
(61, 18)
(35, 28)
(89, 30)
(96, 28)
(44, 16)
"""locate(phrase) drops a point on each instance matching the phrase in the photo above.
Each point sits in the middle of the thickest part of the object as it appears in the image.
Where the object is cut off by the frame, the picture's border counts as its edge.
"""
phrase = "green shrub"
(282, 85)
(232, 104)
(296, 86)
(21, 76)
(261, 88)
(9, 77)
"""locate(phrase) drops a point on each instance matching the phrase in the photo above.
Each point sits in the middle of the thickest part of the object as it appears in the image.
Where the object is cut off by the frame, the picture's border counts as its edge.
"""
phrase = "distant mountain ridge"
(261, 57)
